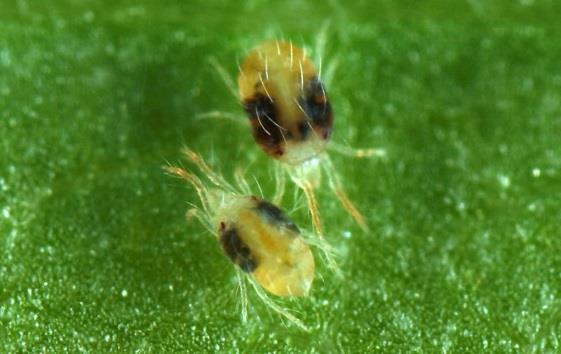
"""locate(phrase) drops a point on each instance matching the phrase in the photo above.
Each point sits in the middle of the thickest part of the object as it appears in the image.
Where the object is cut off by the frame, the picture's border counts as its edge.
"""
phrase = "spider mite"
(291, 118)
(254, 234)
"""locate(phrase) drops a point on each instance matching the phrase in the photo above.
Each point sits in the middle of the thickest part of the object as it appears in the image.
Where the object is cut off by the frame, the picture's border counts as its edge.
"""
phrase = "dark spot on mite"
(262, 113)
(326, 133)
(288, 135)
(303, 129)
(238, 252)
(273, 215)
(317, 107)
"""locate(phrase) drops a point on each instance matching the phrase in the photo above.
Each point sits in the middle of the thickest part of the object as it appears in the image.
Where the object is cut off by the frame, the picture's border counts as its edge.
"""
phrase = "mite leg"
(328, 74)
(337, 188)
(202, 191)
(231, 86)
(275, 307)
(307, 178)
(243, 295)
(349, 206)
(280, 184)
(214, 177)
(320, 44)
(239, 119)
(239, 175)
(203, 219)
(226, 78)
(358, 153)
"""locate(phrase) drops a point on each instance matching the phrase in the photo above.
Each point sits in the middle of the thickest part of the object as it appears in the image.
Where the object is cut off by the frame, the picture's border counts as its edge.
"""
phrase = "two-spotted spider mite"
(291, 117)
(254, 234)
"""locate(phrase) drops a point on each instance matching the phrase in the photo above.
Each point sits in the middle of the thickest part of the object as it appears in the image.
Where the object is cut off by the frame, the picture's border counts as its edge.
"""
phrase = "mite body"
(286, 102)
(292, 118)
(255, 235)
(262, 241)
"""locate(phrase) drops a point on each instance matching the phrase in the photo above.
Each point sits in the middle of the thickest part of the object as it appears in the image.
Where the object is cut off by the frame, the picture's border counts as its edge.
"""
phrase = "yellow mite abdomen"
(263, 242)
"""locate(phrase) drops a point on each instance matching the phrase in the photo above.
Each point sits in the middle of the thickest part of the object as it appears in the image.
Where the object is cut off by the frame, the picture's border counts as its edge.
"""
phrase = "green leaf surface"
(464, 252)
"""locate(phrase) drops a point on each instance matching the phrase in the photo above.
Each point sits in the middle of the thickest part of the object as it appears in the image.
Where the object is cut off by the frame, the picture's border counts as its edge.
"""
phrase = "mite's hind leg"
(202, 217)
(328, 253)
(337, 188)
(243, 295)
(349, 206)
(320, 242)
(312, 206)
(280, 184)
(307, 178)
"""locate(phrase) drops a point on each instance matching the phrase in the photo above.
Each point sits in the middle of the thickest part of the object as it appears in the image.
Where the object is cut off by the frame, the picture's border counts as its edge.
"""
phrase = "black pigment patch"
(238, 252)
(264, 119)
(304, 129)
(316, 104)
(273, 215)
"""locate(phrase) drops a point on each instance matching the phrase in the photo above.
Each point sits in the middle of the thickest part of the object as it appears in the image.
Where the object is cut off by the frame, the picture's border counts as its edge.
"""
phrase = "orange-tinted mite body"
(255, 234)
(286, 102)
(259, 238)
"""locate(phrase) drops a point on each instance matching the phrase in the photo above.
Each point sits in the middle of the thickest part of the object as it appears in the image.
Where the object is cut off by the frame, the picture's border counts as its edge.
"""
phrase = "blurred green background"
(465, 210)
